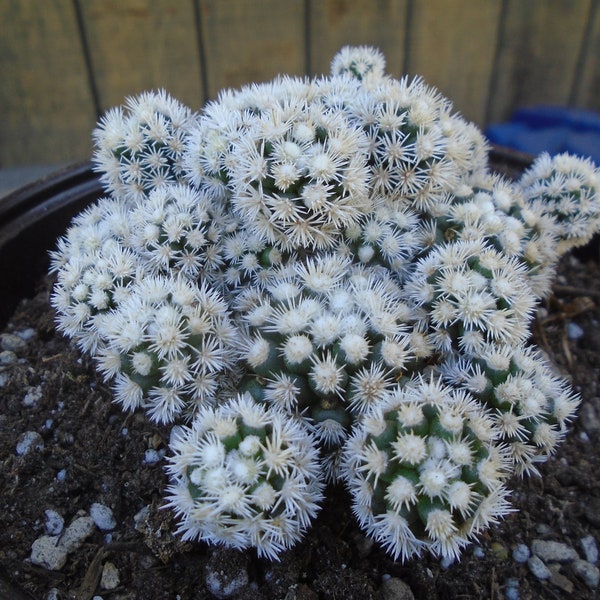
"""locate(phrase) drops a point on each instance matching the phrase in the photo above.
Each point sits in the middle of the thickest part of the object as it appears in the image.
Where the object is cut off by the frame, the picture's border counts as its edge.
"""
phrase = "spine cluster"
(319, 281)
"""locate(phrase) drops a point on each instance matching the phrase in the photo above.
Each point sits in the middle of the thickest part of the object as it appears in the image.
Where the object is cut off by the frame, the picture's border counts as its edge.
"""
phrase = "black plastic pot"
(32, 218)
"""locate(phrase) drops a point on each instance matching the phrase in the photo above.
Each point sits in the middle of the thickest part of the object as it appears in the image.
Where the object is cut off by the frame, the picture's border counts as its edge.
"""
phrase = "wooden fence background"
(63, 62)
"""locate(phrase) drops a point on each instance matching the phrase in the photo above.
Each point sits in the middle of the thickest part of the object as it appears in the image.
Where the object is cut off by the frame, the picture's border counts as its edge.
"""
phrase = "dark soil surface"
(50, 389)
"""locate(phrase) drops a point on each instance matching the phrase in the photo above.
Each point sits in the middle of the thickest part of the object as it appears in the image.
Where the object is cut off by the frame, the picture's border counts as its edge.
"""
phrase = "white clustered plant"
(320, 281)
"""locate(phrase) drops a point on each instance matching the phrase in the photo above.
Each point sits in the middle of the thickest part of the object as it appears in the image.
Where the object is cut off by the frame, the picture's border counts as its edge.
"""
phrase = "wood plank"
(46, 106)
(452, 45)
(138, 45)
(586, 92)
(538, 54)
(249, 41)
(337, 23)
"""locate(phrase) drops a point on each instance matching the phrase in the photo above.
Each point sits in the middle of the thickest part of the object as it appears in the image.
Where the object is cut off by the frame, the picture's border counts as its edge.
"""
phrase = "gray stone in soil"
(226, 574)
(550, 551)
(48, 553)
(8, 357)
(51, 551)
(76, 533)
(511, 590)
(29, 441)
(53, 522)
(521, 553)
(538, 568)
(27, 334)
(102, 516)
(110, 577)
(13, 343)
(590, 548)
(32, 396)
(395, 589)
(575, 331)
(588, 572)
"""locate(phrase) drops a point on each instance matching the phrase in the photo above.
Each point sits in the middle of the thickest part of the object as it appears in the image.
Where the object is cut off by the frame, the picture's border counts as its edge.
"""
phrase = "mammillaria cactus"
(424, 471)
(245, 475)
(319, 281)
(140, 147)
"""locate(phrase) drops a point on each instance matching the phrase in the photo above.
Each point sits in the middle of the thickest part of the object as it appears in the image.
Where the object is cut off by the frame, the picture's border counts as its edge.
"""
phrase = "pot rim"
(31, 219)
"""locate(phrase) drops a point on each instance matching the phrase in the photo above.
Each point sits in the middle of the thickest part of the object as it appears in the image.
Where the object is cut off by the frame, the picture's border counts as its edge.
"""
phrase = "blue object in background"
(552, 129)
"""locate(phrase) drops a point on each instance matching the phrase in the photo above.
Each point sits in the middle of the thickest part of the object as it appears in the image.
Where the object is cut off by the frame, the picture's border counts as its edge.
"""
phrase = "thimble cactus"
(320, 281)
(244, 474)
(424, 471)
(140, 147)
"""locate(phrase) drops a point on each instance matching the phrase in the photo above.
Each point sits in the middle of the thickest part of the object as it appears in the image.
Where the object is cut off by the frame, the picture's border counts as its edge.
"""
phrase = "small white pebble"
(588, 572)
(52, 594)
(8, 357)
(151, 456)
(76, 533)
(574, 331)
(511, 591)
(28, 441)
(61, 475)
(478, 552)
(521, 553)
(226, 585)
(590, 548)
(538, 568)
(12, 342)
(32, 396)
(53, 523)
(551, 551)
(102, 516)
(26, 334)
(46, 552)
(446, 562)
(110, 577)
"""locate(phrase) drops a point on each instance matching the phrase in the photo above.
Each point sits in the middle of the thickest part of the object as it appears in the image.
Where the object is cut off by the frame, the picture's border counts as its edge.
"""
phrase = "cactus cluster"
(319, 281)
